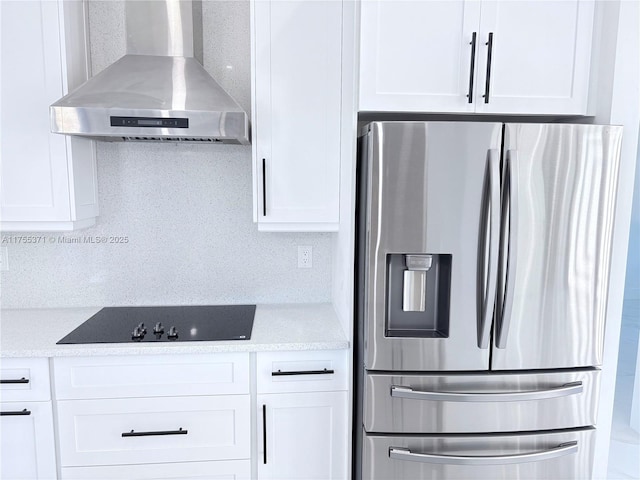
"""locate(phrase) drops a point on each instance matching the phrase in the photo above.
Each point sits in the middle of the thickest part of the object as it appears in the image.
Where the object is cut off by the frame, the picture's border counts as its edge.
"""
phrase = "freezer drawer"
(565, 455)
(483, 402)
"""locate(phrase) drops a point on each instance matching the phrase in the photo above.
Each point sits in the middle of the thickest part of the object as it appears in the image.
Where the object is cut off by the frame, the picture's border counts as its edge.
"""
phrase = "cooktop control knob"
(142, 328)
(173, 333)
(158, 330)
(137, 334)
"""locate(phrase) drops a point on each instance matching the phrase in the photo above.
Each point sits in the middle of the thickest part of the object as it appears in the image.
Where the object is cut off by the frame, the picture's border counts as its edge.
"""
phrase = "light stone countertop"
(34, 333)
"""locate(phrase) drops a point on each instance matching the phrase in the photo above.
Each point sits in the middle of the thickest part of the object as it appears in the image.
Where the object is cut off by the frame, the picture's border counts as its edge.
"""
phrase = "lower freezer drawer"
(540, 456)
(480, 402)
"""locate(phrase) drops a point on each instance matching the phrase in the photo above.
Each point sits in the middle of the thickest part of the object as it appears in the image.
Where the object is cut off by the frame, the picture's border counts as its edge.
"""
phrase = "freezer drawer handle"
(561, 450)
(180, 431)
(561, 391)
(14, 380)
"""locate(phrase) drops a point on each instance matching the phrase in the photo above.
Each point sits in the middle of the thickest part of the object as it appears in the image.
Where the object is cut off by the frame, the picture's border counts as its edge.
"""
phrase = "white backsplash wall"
(184, 210)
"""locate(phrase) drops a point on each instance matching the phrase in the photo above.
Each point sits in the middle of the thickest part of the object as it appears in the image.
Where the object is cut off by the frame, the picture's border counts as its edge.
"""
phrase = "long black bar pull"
(264, 187)
(180, 431)
(488, 79)
(14, 380)
(302, 372)
(16, 413)
(472, 67)
(264, 433)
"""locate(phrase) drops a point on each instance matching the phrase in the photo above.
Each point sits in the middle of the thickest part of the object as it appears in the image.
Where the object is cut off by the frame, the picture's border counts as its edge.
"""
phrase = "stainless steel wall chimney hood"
(158, 91)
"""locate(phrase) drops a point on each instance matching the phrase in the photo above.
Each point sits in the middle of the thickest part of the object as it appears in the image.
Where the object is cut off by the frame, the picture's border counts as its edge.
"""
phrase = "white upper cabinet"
(540, 56)
(48, 180)
(522, 57)
(296, 47)
(417, 55)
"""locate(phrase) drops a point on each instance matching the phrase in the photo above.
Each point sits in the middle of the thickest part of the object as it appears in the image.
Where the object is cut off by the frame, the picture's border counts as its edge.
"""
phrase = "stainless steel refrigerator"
(483, 258)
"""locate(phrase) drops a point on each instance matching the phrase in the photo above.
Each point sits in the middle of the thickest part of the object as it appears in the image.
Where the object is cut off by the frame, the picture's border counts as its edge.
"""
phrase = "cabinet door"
(26, 446)
(303, 436)
(539, 58)
(35, 182)
(417, 56)
(296, 123)
(48, 180)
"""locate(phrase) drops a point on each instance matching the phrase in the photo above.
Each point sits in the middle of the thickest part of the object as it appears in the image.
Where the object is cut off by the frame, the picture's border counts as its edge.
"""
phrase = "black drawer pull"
(151, 434)
(280, 373)
(15, 380)
(16, 413)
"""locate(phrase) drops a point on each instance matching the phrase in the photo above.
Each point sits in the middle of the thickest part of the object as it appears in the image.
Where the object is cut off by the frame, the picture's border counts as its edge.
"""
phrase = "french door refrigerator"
(483, 258)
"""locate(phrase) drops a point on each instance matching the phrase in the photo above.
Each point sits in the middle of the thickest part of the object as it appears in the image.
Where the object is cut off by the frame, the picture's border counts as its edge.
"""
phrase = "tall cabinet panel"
(537, 55)
(48, 180)
(296, 114)
(418, 56)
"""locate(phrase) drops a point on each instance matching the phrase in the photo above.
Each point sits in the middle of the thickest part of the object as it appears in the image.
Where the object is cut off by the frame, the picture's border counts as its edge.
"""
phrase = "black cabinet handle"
(264, 187)
(303, 372)
(16, 413)
(264, 433)
(15, 380)
(473, 66)
(151, 434)
(488, 79)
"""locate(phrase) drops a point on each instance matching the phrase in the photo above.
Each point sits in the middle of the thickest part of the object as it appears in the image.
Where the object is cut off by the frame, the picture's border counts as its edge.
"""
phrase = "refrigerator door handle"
(491, 279)
(565, 390)
(510, 198)
(561, 450)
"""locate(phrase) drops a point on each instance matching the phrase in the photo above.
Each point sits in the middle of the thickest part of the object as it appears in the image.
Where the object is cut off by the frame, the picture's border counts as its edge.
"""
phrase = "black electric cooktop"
(165, 324)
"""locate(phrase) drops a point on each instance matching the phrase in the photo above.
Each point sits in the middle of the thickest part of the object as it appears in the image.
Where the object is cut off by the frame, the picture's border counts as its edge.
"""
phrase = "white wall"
(632, 285)
(186, 209)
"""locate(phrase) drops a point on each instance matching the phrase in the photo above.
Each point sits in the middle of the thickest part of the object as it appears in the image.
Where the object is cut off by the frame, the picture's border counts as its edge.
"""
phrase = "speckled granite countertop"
(34, 333)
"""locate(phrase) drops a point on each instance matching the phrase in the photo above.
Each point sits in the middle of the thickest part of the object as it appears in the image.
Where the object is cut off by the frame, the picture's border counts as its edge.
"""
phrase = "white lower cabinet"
(154, 417)
(27, 446)
(304, 436)
(26, 422)
(302, 411)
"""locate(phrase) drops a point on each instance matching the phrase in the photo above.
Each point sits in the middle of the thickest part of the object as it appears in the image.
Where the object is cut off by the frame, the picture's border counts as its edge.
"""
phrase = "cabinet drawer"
(302, 371)
(466, 403)
(24, 379)
(222, 470)
(154, 430)
(151, 376)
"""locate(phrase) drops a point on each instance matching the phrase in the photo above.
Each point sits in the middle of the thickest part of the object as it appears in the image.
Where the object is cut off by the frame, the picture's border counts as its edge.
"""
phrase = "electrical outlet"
(305, 256)
(4, 259)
